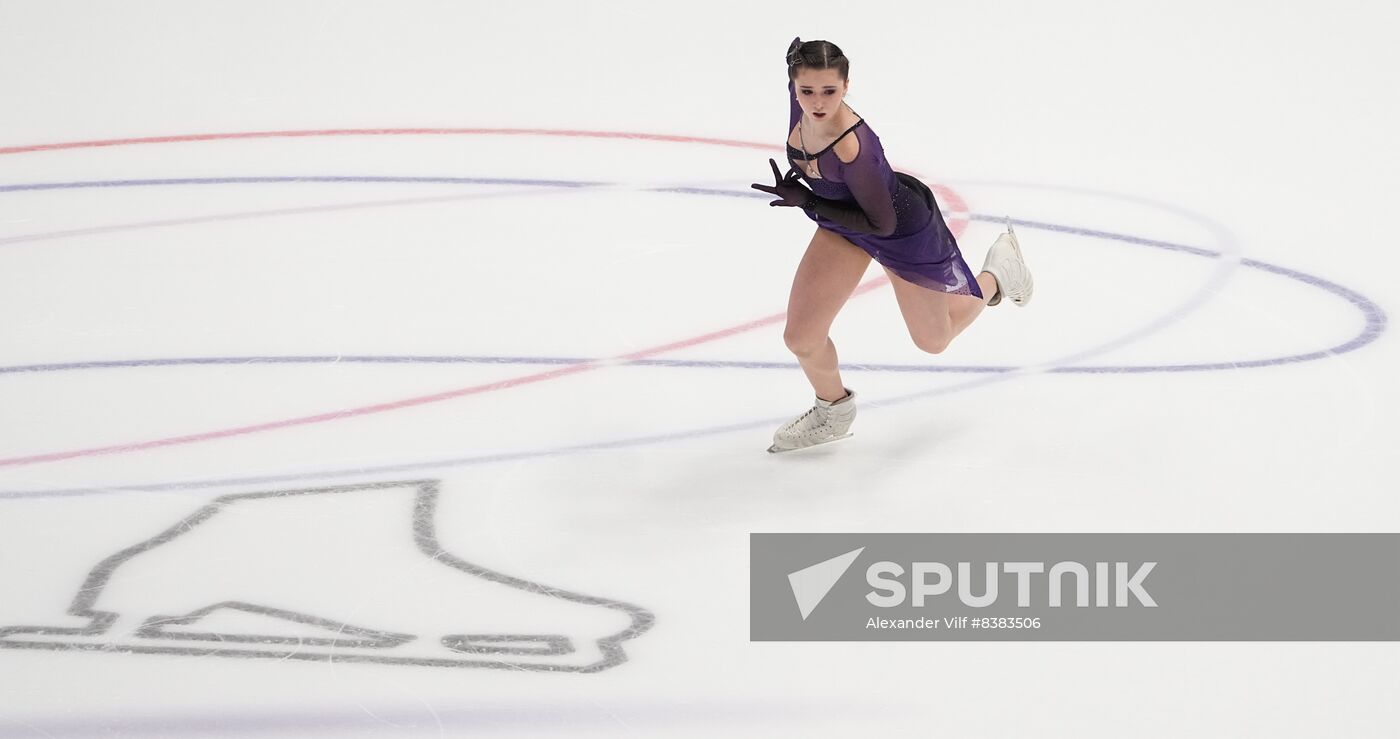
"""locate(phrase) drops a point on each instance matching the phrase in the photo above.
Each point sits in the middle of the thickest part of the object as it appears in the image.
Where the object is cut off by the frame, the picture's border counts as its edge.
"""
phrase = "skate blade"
(775, 449)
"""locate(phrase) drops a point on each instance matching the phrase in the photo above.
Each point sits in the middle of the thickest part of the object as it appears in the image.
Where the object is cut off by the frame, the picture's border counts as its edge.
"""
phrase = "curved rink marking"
(383, 407)
(1375, 324)
(1375, 319)
(342, 414)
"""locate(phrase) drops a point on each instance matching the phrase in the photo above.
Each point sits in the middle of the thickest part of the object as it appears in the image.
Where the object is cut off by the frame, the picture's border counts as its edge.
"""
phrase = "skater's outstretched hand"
(790, 191)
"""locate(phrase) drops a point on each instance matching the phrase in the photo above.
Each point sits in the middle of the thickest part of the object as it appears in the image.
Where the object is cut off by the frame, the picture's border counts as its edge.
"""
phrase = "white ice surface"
(1258, 132)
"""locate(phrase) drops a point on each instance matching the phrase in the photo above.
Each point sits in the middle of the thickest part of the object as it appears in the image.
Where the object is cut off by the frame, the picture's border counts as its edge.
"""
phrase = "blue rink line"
(409, 359)
(1375, 317)
(1375, 324)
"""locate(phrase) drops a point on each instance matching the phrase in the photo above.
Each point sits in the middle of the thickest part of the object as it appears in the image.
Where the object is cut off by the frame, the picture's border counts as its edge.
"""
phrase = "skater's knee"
(803, 343)
(932, 342)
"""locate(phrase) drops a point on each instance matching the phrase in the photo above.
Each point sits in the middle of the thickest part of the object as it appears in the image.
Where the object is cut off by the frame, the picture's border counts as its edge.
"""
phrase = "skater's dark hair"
(816, 55)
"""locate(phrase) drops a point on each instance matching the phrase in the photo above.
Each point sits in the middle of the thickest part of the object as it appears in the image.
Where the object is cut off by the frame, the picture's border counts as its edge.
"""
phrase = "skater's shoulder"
(847, 147)
(856, 139)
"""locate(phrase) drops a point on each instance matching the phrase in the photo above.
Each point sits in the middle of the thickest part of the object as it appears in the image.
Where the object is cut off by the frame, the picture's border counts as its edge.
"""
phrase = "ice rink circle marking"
(1375, 324)
(1375, 318)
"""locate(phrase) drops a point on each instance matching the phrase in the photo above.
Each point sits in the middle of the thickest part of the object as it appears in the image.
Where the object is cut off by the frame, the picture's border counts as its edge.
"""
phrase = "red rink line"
(955, 204)
(185, 138)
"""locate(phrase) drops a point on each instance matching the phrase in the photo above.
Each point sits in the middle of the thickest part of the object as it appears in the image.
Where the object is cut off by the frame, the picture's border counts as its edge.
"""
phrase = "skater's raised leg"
(1008, 268)
(935, 318)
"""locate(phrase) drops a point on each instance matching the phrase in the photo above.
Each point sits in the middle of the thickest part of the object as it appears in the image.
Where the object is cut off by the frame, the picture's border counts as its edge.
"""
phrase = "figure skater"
(864, 210)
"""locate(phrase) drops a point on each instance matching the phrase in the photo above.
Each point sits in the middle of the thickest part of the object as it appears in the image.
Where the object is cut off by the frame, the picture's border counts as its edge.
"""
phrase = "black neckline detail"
(798, 152)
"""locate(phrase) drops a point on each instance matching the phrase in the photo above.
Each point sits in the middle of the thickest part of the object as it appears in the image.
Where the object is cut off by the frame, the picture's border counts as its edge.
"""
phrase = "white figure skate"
(1005, 263)
(827, 421)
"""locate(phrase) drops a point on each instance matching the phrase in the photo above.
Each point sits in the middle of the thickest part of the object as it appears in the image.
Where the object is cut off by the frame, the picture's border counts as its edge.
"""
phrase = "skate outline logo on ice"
(532, 626)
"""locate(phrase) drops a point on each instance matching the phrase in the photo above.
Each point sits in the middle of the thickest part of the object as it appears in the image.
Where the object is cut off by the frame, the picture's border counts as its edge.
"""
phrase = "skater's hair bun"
(816, 55)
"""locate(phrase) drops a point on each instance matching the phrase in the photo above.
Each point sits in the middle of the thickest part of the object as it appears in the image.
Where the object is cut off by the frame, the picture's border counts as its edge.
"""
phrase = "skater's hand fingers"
(777, 176)
(787, 187)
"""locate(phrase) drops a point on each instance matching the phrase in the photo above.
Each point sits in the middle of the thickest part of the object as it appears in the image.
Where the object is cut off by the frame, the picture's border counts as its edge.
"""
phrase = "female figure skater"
(865, 210)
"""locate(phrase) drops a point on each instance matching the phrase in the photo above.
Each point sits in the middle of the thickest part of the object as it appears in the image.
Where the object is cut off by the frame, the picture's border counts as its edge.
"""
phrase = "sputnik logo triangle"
(811, 584)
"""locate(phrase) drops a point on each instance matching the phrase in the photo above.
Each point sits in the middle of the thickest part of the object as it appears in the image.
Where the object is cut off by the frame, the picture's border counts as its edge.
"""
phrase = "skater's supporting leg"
(825, 422)
(825, 279)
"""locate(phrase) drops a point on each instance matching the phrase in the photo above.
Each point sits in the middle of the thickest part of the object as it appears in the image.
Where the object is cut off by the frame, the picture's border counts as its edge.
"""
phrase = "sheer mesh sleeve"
(873, 211)
(795, 110)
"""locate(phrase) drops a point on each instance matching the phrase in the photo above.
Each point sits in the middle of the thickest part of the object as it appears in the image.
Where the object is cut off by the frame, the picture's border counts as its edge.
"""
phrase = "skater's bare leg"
(828, 274)
(935, 318)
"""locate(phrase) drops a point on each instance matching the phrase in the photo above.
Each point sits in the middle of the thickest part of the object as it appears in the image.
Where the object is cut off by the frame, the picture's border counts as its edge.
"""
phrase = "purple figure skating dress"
(920, 248)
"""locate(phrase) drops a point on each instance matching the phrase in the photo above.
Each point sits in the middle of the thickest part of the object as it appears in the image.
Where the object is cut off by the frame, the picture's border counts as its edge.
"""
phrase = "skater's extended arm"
(872, 213)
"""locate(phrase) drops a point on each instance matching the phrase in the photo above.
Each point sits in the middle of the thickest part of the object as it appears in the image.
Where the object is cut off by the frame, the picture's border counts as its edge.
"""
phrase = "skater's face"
(820, 92)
